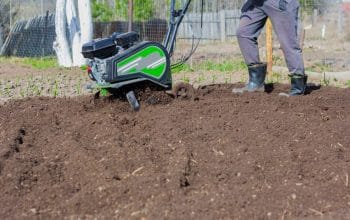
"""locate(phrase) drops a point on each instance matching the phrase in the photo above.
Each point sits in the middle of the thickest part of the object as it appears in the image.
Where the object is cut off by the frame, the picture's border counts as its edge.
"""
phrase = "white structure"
(79, 25)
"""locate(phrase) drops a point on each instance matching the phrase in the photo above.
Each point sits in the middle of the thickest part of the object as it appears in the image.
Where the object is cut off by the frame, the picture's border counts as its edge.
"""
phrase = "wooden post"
(131, 14)
(269, 47)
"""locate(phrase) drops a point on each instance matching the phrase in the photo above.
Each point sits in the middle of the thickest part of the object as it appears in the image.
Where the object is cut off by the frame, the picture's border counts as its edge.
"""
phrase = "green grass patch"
(348, 84)
(208, 65)
(36, 63)
(319, 67)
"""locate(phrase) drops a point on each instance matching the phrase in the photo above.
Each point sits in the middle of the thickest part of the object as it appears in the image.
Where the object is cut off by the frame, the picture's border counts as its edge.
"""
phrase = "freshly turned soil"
(215, 156)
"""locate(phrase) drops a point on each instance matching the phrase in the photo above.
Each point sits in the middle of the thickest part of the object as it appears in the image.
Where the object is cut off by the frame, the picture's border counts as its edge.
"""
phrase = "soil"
(217, 156)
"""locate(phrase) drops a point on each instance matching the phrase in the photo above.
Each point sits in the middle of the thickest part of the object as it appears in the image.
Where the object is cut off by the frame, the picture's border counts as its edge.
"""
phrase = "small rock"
(100, 188)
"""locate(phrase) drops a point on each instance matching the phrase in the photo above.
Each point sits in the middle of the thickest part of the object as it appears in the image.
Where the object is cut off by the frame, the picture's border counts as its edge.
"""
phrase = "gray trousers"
(284, 17)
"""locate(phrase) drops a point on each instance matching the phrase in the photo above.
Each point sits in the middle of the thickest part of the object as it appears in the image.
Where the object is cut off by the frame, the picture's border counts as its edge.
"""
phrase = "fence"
(219, 25)
(151, 30)
(31, 38)
(324, 33)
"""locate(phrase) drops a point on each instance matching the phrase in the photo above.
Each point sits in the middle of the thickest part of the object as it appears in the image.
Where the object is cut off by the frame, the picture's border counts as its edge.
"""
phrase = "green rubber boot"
(256, 83)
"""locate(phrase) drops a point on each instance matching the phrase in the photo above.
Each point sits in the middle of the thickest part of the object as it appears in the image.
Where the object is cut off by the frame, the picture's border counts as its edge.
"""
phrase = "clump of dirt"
(219, 156)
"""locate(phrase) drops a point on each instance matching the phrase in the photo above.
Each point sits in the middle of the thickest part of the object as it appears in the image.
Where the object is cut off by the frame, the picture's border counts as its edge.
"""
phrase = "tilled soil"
(218, 156)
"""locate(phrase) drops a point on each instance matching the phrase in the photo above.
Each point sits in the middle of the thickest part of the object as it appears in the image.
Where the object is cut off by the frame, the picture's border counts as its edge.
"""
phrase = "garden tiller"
(121, 62)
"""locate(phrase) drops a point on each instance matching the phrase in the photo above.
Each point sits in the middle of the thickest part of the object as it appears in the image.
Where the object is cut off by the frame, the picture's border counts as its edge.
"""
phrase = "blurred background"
(27, 29)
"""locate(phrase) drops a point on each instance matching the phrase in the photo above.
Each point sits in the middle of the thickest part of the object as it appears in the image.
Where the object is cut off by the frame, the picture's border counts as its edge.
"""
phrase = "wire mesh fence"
(323, 28)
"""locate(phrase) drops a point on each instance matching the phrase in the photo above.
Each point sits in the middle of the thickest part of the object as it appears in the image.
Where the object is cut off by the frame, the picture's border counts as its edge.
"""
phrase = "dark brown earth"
(219, 156)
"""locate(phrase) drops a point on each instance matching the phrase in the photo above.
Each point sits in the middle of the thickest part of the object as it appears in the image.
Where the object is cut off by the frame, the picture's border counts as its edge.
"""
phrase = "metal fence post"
(340, 20)
(10, 14)
(223, 25)
(131, 14)
(1, 37)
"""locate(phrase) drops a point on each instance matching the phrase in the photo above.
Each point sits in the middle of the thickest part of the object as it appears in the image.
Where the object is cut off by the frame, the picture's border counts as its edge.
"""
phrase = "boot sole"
(243, 90)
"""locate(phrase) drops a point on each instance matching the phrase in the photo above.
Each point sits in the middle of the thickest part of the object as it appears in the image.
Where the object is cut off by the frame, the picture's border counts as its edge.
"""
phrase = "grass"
(208, 65)
(275, 78)
(319, 67)
(348, 83)
(36, 63)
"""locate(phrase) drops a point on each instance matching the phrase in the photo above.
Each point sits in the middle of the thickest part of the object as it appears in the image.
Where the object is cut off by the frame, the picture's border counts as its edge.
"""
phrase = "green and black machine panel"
(148, 61)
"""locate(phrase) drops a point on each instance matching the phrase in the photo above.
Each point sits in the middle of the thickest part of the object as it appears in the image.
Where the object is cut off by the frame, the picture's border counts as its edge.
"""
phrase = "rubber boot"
(256, 83)
(298, 85)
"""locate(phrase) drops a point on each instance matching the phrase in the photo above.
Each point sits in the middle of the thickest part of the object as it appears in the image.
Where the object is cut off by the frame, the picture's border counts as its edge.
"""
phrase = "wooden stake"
(269, 48)
(131, 14)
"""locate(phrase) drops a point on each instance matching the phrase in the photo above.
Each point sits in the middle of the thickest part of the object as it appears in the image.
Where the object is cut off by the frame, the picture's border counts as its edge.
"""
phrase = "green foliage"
(101, 11)
(121, 9)
(143, 9)
(104, 92)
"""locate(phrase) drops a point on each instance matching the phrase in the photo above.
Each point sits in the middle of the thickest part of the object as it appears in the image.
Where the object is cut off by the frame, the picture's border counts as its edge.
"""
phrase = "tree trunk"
(79, 31)
(74, 33)
(61, 44)
(85, 19)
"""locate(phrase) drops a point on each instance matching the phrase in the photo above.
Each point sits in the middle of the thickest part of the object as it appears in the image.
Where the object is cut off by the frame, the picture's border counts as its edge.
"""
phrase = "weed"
(348, 83)
(104, 92)
(227, 80)
(325, 81)
(37, 90)
(201, 78)
(78, 87)
(55, 90)
(8, 90)
(275, 78)
(243, 78)
(17, 81)
(182, 68)
(22, 93)
(185, 78)
(214, 78)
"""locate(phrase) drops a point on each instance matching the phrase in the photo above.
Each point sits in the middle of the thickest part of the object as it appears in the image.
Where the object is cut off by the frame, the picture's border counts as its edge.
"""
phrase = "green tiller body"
(122, 60)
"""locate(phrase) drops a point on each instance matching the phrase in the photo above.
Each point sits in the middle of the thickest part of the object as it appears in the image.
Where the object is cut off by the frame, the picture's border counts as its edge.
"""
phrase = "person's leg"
(284, 17)
(252, 21)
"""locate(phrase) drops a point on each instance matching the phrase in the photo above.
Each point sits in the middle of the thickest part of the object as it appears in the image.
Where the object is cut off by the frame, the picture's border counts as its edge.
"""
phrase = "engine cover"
(146, 61)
